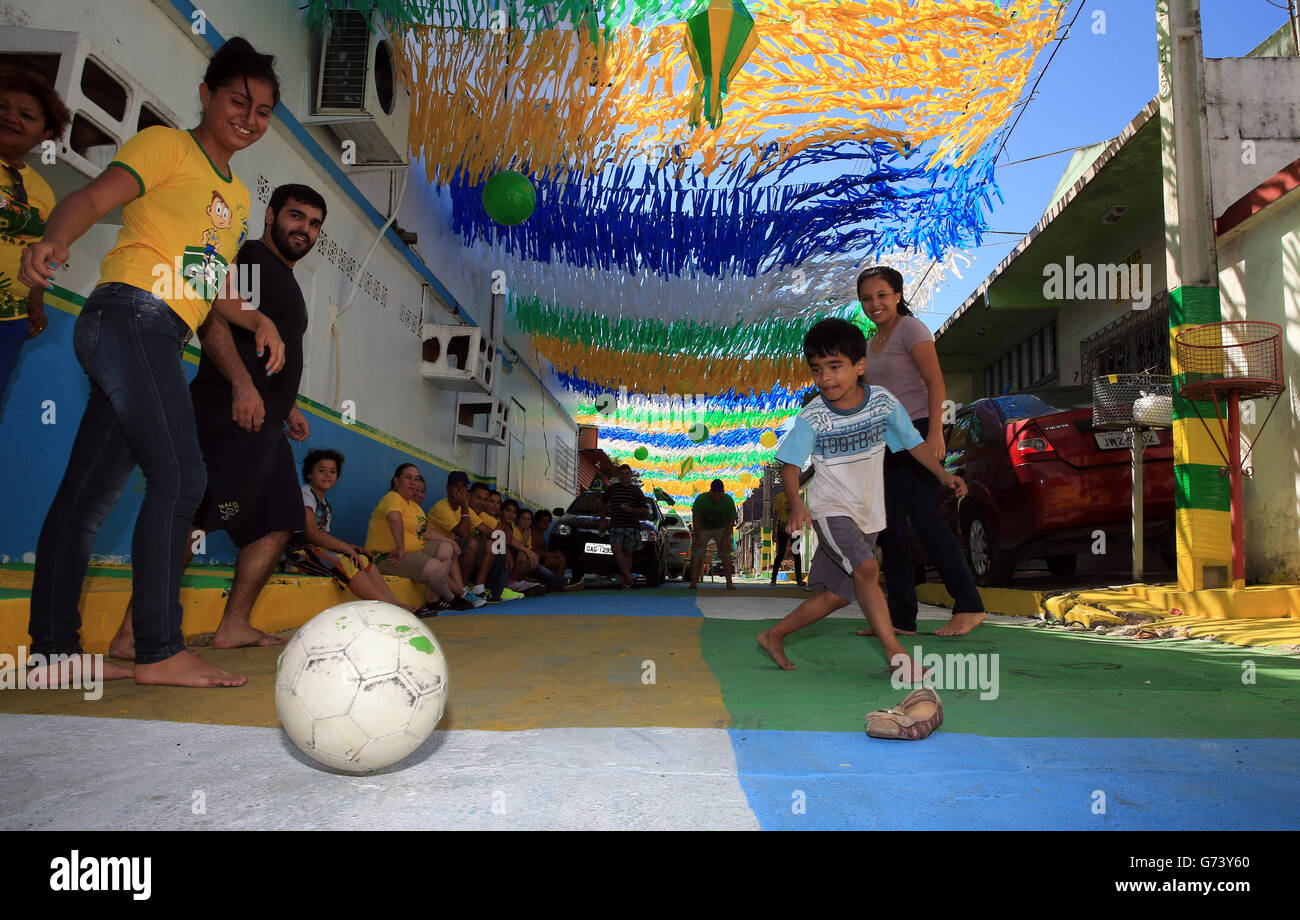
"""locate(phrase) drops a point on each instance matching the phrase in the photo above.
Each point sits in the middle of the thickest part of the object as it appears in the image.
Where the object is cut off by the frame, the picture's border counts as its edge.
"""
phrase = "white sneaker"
(524, 585)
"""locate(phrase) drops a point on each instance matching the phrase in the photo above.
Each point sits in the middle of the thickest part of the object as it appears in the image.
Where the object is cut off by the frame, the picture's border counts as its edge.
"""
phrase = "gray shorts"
(841, 548)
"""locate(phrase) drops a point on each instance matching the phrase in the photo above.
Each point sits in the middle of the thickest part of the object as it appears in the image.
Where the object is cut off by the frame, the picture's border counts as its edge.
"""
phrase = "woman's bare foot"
(776, 648)
(186, 669)
(897, 632)
(243, 636)
(960, 624)
(122, 647)
(62, 675)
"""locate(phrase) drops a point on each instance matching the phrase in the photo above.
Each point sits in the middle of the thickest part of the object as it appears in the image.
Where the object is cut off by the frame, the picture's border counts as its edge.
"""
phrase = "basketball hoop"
(1235, 361)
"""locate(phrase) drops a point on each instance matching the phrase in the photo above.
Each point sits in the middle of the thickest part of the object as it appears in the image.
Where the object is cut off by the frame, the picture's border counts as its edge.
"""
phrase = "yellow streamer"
(901, 71)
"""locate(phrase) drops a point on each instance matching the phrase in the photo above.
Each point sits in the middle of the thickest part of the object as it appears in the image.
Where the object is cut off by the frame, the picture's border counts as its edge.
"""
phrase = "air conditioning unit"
(482, 419)
(359, 94)
(458, 357)
(107, 105)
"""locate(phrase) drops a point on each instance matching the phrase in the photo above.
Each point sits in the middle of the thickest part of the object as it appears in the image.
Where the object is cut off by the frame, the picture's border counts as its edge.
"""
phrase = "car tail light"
(1029, 444)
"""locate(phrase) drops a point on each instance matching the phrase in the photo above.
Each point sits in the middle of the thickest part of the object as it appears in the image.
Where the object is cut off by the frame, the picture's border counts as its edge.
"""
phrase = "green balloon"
(641, 453)
(509, 198)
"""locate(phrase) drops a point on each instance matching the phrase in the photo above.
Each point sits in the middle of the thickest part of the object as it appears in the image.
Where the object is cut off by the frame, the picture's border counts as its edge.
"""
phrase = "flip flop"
(919, 714)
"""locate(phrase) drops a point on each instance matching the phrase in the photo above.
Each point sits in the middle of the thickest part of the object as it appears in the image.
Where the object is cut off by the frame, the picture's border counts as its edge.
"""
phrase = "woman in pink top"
(901, 359)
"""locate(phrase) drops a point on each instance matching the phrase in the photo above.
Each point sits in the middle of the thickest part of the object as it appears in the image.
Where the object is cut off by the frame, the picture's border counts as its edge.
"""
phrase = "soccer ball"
(361, 686)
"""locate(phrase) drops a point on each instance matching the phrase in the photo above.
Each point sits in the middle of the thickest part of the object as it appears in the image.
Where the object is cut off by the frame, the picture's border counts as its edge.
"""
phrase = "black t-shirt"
(619, 494)
(280, 298)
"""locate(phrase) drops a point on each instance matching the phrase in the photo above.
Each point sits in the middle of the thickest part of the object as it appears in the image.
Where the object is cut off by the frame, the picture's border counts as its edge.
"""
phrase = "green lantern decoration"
(719, 38)
(509, 198)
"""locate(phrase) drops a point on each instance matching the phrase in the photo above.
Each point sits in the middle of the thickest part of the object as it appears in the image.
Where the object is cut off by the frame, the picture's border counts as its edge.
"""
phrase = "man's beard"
(293, 247)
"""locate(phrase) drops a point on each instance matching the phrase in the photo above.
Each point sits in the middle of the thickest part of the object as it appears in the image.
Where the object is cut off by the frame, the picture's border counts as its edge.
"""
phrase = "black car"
(577, 534)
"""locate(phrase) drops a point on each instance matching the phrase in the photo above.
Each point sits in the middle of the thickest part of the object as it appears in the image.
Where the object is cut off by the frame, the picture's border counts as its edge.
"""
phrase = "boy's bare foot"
(186, 669)
(243, 636)
(776, 648)
(61, 675)
(911, 671)
(122, 647)
(960, 624)
(897, 632)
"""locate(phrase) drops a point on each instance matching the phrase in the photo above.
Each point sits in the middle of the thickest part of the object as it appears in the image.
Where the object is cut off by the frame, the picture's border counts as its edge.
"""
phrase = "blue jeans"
(13, 332)
(139, 414)
(912, 492)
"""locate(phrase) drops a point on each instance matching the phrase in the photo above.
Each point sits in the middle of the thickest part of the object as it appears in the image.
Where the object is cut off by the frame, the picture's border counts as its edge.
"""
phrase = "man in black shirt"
(625, 507)
(243, 416)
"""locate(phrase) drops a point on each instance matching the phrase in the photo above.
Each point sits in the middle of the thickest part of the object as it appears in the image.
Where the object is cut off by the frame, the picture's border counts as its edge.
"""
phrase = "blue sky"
(1094, 87)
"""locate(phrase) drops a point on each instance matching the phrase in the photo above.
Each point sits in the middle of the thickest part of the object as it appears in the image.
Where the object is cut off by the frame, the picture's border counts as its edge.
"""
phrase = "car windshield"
(593, 503)
(1017, 406)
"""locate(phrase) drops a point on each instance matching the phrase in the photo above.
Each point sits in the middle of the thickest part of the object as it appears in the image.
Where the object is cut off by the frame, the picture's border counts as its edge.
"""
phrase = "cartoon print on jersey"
(204, 267)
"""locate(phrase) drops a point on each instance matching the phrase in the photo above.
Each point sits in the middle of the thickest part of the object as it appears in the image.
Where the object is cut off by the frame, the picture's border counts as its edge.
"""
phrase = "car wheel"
(991, 564)
(1063, 565)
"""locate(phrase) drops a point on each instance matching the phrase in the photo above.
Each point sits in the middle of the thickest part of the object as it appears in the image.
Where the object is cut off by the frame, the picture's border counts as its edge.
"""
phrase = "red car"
(1042, 481)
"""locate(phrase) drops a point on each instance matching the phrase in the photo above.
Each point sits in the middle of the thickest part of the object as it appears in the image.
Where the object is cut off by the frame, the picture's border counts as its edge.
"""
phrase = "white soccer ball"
(361, 686)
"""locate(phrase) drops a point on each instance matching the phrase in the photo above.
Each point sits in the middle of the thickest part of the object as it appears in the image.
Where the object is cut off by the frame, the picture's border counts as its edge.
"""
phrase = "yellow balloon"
(768, 439)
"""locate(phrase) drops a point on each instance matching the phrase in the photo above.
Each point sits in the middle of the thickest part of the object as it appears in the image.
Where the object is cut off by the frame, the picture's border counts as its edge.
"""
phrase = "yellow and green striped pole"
(1201, 504)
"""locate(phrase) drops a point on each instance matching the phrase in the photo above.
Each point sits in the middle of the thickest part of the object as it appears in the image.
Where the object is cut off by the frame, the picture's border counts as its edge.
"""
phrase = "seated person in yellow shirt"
(30, 113)
(396, 539)
(453, 520)
(315, 550)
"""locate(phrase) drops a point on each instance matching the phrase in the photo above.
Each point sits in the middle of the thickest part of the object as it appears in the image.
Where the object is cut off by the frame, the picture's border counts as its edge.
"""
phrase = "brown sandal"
(911, 720)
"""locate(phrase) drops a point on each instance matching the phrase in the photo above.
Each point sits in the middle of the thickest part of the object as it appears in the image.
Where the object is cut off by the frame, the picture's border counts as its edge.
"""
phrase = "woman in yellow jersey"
(184, 214)
(396, 541)
(30, 114)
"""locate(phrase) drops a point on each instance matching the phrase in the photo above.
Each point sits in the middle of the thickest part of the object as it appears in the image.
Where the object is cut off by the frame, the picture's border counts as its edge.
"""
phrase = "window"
(1138, 341)
(959, 436)
(149, 118)
(1029, 364)
(92, 142)
(103, 89)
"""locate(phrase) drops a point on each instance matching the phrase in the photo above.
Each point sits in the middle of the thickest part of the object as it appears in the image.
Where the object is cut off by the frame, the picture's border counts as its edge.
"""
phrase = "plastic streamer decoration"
(710, 176)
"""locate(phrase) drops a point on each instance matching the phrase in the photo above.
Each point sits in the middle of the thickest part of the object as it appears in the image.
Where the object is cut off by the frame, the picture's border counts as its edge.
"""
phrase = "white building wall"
(378, 347)
(1259, 279)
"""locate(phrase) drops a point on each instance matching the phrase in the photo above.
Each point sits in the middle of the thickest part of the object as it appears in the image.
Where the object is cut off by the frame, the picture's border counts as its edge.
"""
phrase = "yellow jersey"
(20, 226)
(379, 536)
(184, 229)
(446, 518)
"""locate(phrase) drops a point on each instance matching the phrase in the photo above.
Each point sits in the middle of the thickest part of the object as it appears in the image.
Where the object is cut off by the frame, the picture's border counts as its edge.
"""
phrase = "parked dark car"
(1042, 481)
(577, 534)
(678, 536)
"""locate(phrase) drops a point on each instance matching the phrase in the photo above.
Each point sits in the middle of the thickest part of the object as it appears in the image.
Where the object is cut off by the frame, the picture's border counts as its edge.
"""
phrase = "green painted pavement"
(1051, 683)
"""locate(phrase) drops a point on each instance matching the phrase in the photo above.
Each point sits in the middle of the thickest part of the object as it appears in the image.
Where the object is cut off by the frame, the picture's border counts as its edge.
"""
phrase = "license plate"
(1116, 440)
(602, 549)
